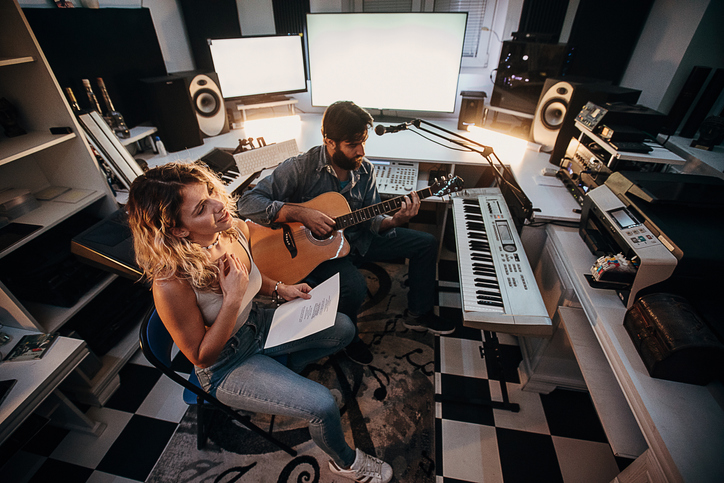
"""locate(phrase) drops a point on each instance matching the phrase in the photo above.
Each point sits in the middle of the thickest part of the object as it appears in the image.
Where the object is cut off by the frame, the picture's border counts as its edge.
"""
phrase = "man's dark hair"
(345, 121)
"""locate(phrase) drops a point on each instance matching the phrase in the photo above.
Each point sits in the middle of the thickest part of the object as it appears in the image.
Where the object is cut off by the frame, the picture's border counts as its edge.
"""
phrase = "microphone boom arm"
(487, 153)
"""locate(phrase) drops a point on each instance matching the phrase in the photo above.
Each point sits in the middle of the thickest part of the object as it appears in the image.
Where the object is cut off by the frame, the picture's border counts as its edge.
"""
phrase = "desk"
(38, 382)
(548, 195)
(682, 425)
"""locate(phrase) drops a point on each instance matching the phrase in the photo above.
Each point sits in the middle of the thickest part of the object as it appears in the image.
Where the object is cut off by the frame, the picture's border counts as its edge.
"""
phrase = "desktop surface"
(550, 199)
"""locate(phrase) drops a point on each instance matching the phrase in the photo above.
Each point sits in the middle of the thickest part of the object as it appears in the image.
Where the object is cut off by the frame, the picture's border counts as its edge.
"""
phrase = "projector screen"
(395, 61)
(259, 66)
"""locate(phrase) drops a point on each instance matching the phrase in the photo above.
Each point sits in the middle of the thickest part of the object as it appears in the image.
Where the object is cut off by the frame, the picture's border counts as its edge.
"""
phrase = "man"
(339, 165)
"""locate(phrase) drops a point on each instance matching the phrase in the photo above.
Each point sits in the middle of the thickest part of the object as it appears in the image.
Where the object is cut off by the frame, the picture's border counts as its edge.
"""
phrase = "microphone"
(380, 129)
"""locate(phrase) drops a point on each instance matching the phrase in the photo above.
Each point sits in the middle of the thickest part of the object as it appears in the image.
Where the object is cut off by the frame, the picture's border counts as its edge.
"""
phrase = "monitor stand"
(262, 99)
(387, 118)
(264, 102)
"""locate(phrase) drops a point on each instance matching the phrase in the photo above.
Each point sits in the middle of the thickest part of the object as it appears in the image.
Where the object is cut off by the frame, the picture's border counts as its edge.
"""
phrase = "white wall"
(171, 34)
(256, 17)
(661, 48)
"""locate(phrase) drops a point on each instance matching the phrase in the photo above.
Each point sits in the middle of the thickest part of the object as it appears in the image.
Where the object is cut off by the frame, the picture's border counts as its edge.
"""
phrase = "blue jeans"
(419, 247)
(247, 377)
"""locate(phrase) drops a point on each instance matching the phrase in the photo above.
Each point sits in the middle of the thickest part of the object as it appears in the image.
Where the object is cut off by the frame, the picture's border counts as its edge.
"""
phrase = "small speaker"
(186, 107)
(471, 109)
(550, 113)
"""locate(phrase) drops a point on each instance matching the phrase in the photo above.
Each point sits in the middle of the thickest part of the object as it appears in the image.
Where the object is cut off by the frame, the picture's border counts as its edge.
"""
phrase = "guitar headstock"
(446, 185)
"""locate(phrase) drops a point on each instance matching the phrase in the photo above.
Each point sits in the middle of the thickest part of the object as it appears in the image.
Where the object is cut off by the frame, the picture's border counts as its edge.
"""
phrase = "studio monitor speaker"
(560, 102)
(550, 113)
(208, 104)
(186, 107)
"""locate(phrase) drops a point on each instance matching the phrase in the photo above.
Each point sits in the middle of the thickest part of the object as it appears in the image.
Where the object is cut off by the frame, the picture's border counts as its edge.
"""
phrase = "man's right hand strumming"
(318, 223)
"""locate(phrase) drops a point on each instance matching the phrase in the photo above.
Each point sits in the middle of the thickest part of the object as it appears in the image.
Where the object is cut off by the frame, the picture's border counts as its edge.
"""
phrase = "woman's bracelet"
(275, 294)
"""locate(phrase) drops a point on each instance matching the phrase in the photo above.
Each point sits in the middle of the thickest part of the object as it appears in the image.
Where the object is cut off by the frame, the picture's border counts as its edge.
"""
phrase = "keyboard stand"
(491, 348)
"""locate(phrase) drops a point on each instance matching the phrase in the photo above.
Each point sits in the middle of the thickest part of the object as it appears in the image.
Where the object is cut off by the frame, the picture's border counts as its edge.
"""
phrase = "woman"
(196, 253)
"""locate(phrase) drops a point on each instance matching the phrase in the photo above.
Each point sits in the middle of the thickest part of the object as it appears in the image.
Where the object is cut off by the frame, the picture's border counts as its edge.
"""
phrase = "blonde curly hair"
(154, 206)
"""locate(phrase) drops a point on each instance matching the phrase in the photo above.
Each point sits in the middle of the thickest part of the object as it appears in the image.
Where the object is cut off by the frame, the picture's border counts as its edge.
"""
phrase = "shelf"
(52, 317)
(682, 423)
(659, 154)
(138, 133)
(49, 214)
(613, 411)
(107, 380)
(27, 144)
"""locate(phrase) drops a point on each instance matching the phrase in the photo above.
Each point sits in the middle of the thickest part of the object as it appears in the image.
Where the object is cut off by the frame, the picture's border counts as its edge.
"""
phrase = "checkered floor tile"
(553, 438)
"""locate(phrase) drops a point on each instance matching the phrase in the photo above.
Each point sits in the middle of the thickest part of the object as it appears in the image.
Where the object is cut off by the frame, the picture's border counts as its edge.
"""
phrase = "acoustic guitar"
(290, 251)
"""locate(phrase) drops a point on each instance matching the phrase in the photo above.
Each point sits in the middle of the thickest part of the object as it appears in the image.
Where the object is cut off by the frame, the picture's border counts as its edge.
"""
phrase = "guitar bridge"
(288, 238)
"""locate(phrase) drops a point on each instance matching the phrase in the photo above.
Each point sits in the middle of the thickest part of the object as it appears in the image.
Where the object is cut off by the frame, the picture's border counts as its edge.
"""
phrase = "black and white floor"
(553, 438)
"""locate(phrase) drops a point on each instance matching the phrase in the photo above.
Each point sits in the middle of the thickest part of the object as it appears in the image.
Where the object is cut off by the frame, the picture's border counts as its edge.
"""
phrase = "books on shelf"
(31, 347)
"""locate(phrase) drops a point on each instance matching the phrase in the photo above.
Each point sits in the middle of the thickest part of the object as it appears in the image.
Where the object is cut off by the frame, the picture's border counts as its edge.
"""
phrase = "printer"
(671, 226)
(663, 236)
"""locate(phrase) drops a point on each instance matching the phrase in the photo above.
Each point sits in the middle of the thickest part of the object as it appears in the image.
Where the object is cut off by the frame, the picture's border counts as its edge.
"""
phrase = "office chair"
(156, 344)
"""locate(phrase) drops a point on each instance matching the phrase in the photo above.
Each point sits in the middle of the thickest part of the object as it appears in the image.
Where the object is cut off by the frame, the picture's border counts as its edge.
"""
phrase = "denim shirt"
(307, 176)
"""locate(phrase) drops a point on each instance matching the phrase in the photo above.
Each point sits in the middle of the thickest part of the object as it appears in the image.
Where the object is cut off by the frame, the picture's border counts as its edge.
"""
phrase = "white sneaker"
(365, 469)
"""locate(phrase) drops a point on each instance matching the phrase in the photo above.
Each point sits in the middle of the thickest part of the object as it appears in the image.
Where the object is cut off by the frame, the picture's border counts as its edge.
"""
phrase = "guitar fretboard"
(364, 214)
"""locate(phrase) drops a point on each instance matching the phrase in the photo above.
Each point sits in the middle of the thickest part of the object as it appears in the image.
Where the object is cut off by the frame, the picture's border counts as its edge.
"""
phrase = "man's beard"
(341, 160)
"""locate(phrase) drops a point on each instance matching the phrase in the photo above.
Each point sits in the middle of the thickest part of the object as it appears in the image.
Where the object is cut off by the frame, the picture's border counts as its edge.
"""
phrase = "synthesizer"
(236, 169)
(498, 289)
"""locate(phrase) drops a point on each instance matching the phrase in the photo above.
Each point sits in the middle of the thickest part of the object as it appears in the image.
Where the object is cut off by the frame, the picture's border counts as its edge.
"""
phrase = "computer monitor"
(263, 67)
(386, 61)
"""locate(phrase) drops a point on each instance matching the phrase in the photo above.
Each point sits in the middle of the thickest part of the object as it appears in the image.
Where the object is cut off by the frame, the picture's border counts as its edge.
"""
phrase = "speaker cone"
(554, 112)
(207, 103)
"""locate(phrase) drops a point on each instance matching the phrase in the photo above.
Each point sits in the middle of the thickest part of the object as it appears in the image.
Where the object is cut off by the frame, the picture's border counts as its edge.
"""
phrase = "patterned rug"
(387, 409)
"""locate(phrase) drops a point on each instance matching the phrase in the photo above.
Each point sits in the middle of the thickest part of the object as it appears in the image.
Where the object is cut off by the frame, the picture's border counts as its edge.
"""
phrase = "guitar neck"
(364, 214)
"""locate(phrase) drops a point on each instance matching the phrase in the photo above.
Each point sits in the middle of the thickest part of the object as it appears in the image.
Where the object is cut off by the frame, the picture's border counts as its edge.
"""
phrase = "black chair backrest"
(157, 346)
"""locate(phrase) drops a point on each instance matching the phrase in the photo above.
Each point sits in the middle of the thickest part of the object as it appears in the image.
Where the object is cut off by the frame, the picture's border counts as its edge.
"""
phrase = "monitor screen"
(259, 66)
(395, 61)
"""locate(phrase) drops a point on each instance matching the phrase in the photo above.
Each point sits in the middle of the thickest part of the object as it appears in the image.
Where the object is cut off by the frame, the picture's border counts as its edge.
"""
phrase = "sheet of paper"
(302, 317)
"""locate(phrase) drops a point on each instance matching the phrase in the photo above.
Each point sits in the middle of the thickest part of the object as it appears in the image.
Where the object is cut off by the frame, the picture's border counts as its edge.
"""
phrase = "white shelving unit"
(658, 154)
(38, 160)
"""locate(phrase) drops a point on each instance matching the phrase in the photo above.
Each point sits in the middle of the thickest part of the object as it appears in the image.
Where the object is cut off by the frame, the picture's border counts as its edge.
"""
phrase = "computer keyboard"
(253, 160)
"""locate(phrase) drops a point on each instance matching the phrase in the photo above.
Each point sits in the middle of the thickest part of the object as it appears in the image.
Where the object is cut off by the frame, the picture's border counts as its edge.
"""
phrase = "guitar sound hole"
(322, 237)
